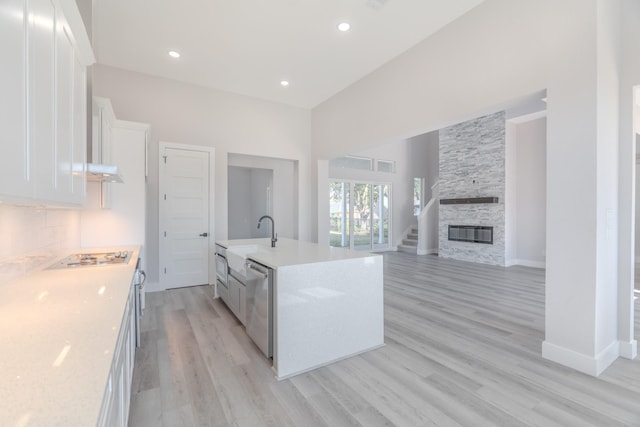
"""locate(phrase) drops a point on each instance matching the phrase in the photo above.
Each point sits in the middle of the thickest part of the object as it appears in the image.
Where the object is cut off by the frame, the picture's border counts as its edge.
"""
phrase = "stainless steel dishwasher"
(259, 297)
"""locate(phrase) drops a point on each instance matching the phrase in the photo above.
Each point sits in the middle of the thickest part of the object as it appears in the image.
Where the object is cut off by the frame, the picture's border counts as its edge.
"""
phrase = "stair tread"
(408, 249)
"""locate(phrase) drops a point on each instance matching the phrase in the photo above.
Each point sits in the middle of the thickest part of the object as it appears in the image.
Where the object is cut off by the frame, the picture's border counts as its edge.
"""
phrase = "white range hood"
(99, 143)
(103, 173)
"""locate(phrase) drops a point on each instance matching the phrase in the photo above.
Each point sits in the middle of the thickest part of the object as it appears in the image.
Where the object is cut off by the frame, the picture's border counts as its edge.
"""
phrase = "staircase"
(410, 243)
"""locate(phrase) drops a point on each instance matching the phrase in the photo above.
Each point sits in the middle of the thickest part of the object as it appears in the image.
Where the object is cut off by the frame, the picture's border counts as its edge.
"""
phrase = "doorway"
(185, 214)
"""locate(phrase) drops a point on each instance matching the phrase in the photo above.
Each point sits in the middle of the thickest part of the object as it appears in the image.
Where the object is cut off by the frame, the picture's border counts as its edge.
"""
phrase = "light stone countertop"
(58, 331)
(292, 252)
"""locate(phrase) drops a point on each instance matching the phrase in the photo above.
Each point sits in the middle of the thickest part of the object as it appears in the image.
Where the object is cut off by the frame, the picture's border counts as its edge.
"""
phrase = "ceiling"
(248, 46)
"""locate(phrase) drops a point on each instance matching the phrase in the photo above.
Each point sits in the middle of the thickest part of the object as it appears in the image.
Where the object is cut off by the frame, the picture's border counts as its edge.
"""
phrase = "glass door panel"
(339, 217)
(362, 216)
(380, 216)
(359, 216)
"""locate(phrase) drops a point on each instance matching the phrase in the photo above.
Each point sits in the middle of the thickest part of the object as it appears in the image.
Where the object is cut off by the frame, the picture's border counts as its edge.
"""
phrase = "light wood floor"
(462, 348)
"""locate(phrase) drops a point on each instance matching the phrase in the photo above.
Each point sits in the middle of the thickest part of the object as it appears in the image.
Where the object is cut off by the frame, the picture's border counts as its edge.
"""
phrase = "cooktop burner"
(93, 259)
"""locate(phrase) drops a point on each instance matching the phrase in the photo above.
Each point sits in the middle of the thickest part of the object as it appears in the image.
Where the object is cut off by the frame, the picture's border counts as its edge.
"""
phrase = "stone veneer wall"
(472, 164)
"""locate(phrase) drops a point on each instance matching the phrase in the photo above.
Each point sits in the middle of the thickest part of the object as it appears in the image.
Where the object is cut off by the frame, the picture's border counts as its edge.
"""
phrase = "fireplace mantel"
(468, 200)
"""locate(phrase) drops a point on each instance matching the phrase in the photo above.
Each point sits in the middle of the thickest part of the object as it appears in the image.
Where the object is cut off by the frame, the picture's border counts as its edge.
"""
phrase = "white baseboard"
(589, 365)
(629, 350)
(525, 263)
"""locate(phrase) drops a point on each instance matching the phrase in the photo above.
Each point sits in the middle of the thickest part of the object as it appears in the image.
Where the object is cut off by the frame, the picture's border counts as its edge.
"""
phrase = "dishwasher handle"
(256, 270)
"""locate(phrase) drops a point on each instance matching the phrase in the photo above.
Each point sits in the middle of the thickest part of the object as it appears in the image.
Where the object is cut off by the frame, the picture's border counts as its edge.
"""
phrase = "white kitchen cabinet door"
(65, 63)
(79, 149)
(237, 299)
(41, 100)
(223, 292)
(15, 178)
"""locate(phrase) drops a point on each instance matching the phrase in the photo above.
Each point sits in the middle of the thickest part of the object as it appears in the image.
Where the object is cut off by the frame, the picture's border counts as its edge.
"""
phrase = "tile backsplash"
(33, 236)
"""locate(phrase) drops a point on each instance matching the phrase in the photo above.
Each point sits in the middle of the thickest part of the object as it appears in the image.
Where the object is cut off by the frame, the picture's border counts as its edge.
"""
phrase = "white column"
(582, 230)
(630, 76)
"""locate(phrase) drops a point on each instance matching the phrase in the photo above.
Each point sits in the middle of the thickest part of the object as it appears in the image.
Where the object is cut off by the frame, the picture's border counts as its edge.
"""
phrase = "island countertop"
(291, 252)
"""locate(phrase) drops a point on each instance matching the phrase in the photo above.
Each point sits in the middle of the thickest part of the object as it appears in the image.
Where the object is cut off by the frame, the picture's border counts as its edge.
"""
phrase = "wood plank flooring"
(463, 345)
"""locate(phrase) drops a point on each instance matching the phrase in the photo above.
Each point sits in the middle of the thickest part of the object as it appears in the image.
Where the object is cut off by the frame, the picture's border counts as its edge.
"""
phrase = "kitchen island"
(327, 302)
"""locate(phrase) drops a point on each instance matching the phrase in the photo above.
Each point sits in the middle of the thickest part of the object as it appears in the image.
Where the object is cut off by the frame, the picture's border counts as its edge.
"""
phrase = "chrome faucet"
(274, 236)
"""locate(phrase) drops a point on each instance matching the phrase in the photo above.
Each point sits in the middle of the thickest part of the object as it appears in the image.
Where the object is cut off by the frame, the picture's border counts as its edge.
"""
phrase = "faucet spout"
(274, 236)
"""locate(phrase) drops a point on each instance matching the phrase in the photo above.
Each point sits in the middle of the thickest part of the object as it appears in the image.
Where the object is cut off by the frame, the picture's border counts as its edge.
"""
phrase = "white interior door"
(184, 216)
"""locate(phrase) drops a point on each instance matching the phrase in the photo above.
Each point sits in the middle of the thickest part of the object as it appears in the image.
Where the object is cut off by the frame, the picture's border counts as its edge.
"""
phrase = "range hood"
(103, 173)
(101, 114)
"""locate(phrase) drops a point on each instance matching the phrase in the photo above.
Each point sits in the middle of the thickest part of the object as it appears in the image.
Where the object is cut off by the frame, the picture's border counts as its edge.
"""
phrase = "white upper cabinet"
(43, 107)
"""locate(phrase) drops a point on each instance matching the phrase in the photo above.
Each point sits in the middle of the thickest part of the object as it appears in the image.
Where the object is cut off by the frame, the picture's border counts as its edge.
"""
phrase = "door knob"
(204, 234)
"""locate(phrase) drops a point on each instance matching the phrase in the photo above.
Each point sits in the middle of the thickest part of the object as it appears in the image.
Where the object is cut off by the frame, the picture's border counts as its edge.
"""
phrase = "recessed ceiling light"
(174, 54)
(344, 26)
(284, 83)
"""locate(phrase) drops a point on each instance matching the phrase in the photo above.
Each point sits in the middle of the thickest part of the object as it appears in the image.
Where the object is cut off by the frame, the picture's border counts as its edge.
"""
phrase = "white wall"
(511, 195)
(33, 236)
(249, 192)
(424, 160)
(530, 187)
(500, 51)
(188, 114)
(239, 202)
(261, 192)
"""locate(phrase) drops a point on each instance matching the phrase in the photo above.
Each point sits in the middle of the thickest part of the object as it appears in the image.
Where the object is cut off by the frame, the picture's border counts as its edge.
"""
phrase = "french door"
(360, 215)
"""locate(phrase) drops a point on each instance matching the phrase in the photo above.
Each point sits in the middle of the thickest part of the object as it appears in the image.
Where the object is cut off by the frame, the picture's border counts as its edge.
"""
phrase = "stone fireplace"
(472, 190)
